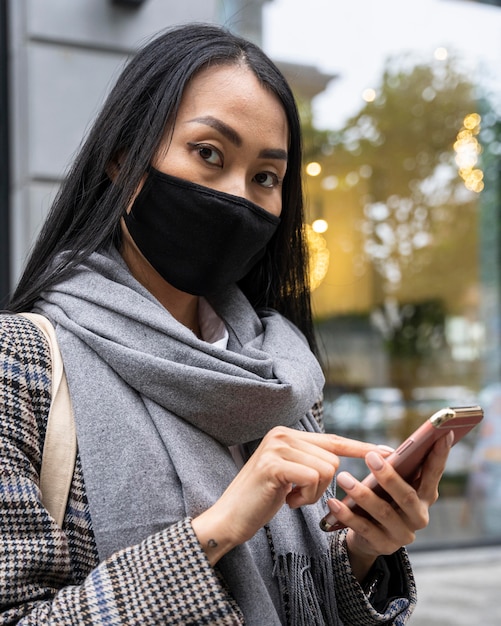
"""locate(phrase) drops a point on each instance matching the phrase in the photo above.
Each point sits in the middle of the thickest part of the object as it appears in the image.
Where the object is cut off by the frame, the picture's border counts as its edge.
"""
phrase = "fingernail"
(450, 438)
(374, 461)
(386, 448)
(334, 505)
(330, 520)
(345, 480)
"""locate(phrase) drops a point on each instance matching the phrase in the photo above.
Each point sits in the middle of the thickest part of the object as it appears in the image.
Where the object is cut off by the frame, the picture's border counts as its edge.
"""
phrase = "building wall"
(64, 55)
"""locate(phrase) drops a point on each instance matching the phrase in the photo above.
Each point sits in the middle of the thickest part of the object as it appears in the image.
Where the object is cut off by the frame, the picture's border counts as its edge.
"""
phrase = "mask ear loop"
(147, 179)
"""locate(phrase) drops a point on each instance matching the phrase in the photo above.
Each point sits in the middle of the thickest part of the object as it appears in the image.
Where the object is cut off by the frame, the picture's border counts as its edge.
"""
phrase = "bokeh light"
(369, 95)
(319, 256)
(320, 226)
(313, 168)
(467, 150)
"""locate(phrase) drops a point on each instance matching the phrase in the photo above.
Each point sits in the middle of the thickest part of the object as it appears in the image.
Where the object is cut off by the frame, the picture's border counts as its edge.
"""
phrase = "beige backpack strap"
(60, 445)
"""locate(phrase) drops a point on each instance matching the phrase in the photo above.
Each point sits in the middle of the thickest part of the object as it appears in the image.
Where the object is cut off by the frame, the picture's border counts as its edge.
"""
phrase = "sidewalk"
(458, 587)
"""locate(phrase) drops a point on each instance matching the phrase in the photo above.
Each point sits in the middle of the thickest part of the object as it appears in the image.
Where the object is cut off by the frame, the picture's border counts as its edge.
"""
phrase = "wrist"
(360, 561)
(212, 535)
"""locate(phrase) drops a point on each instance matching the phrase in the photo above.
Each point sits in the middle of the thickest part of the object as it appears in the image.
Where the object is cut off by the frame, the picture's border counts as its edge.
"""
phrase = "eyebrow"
(232, 135)
(273, 153)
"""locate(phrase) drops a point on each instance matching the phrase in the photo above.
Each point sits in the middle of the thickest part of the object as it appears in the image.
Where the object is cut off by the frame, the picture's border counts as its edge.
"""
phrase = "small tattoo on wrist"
(212, 543)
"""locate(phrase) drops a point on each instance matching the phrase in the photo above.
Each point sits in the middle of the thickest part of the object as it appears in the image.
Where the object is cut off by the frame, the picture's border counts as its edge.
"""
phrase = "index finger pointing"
(343, 446)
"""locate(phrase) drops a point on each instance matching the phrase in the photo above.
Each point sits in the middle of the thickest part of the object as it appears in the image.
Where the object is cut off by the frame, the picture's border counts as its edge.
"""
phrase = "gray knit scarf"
(156, 409)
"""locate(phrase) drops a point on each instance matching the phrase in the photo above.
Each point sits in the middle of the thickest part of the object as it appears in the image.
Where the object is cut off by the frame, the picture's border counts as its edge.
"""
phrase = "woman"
(195, 400)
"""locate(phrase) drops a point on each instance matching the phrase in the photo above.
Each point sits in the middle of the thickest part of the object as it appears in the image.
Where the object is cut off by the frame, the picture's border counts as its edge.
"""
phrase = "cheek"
(276, 209)
(270, 203)
(175, 159)
(274, 204)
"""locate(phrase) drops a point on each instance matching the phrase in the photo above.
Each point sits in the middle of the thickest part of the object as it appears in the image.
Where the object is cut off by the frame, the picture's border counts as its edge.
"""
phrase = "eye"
(267, 179)
(209, 154)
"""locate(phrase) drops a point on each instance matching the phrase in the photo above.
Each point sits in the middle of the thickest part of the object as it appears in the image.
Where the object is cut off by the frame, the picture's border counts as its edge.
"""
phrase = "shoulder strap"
(60, 446)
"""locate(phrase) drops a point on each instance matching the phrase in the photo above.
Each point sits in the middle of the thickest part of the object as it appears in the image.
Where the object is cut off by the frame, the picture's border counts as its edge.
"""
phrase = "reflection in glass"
(403, 211)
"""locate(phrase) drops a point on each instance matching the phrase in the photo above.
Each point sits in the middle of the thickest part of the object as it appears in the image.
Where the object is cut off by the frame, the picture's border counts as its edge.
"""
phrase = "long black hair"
(85, 216)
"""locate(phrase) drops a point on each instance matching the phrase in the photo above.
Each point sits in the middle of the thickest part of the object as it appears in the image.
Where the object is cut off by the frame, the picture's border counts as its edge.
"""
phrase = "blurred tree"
(419, 222)
(314, 139)
(399, 169)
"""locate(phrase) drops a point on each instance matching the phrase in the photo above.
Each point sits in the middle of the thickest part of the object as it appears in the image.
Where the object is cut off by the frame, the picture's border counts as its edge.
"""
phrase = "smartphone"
(409, 457)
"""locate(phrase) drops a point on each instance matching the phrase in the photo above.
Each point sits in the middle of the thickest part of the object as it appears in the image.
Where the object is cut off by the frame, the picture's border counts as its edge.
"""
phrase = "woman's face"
(231, 134)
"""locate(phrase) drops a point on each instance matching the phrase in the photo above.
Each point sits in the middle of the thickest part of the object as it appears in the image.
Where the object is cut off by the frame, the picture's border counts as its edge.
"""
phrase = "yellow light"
(440, 54)
(319, 256)
(464, 135)
(313, 168)
(467, 149)
(465, 160)
(369, 95)
(477, 175)
(472, 122)
(474, 185)
(320, 226)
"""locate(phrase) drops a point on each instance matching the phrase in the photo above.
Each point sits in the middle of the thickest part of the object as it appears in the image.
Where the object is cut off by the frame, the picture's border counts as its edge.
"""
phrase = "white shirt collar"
(212, 327)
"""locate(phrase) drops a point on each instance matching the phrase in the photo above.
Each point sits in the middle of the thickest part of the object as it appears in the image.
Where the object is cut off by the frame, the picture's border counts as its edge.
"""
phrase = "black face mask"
(198, 239)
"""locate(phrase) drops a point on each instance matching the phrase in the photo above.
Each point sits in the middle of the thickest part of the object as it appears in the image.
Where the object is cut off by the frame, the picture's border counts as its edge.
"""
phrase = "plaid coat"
(50, 575)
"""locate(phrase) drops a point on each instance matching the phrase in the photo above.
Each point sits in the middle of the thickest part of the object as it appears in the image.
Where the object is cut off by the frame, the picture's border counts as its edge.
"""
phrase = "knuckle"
(409, 498)
(335, 438)
(325, 479)
(278, 432)
(423, 520)
(436, 475)
(267, 464)
(364, 528)
(276, 440)
(315, 477)
(385, 512)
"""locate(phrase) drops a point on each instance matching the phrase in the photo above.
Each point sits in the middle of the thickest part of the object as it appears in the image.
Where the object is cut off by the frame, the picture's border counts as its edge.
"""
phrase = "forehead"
(234, 94)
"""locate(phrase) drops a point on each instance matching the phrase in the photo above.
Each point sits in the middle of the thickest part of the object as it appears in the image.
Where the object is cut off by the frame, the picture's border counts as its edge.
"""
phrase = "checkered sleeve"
(50, 575)
(354, 607)
(166, 579)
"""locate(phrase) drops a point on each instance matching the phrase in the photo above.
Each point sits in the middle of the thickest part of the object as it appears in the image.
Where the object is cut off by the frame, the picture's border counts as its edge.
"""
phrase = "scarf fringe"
(307, 589)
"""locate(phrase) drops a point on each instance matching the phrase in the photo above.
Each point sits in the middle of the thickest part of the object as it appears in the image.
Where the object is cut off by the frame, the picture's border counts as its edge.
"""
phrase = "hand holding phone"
(409, 457)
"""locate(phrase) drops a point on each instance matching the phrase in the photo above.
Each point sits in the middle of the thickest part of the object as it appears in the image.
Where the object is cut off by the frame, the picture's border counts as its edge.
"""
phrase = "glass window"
(403, 182)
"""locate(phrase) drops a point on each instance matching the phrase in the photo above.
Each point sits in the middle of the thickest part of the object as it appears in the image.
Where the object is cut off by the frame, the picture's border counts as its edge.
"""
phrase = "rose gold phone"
(409, 457)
